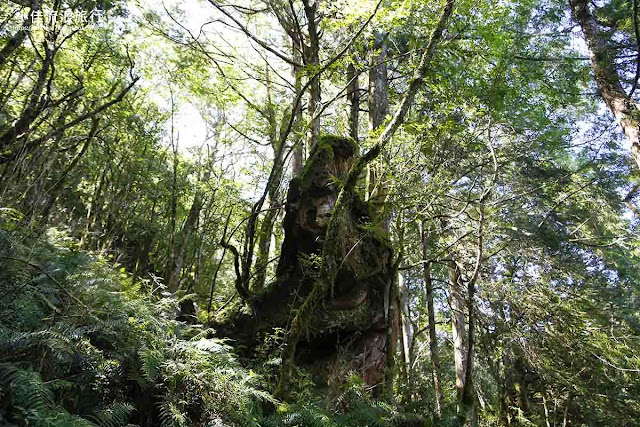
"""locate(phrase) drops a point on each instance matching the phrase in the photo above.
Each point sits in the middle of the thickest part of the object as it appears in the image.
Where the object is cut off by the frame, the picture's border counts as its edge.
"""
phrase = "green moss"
(342, 146)
(325, 151)
(376, 234)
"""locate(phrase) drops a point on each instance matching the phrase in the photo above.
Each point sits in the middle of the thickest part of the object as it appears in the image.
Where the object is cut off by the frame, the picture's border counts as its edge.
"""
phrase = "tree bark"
(392, 320)
(607, 78)
(96, 198)
(458, 327)
(378, 82)
(312, 53)
(433, 338)
(298, 142)
(353, 95)
(378, 110)
(407, 332)
(173, 202)
(173, 282)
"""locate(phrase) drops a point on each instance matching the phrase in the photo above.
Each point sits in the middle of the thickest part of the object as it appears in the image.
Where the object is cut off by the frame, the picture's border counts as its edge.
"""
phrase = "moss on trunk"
(344, 331)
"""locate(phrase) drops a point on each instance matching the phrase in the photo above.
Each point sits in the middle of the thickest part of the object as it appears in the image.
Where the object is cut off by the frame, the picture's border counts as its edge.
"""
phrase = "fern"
(26, 388)
(31, 401)
(171, 415)
(151, 360)
(112, 343)
(116, 415)
(59, 344)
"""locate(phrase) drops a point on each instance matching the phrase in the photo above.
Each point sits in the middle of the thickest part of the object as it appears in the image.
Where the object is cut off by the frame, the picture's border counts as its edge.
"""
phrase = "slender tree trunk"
(54, 191)
(266, 227)
(433, 338)
(312, 52)
(142, 263)
(392, 327)
(406, 337)
(407, 333)
(264, 247)
(378, 83)
(173, 283)
(607, 78)
(173, 207)
(467, 409)
(353, 95)
(220, 261)
(266, 232)
(91, 212)
(298, 150)
(458, 327)
(463, 353)
(378, 110)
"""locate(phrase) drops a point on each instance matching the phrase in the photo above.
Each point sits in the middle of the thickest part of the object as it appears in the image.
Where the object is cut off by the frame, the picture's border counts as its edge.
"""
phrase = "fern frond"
(151, 360)
(171, 415)
(116, 415)
(60, 345)
(203, 334)
(26, 388)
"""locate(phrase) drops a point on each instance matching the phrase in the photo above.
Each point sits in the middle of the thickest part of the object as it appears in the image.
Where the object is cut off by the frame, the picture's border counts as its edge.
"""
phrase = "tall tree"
(607, 72)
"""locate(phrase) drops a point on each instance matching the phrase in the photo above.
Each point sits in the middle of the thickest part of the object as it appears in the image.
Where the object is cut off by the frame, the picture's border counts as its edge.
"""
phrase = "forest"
(319, 213)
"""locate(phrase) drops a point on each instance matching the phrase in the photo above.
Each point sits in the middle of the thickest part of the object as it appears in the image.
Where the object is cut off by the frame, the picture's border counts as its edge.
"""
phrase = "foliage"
(156, 149)
(84, 345)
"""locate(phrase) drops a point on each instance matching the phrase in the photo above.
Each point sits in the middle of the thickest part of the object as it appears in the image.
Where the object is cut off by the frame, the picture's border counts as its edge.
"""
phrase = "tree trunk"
(266, 232)
(607, 78)
(433, 338)
(312, 53)
(173, 202)
(407, 333)
(345, 326)
(463, 344)
(458, 327)
(96, 198)
(353, 95)
(378, 82)
(392, 320)
(355, 269)
(173, 282)
(378, 110)
(298, 150)
(54, 191)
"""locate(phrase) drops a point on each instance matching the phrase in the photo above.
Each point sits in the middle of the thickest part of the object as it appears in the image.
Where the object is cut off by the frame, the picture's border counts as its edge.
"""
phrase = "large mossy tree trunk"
(336, 322)
(608, 76)
(346, 332)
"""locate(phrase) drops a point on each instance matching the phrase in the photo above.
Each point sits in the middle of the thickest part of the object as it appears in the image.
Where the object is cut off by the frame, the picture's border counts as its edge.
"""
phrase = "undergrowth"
(82, 344)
